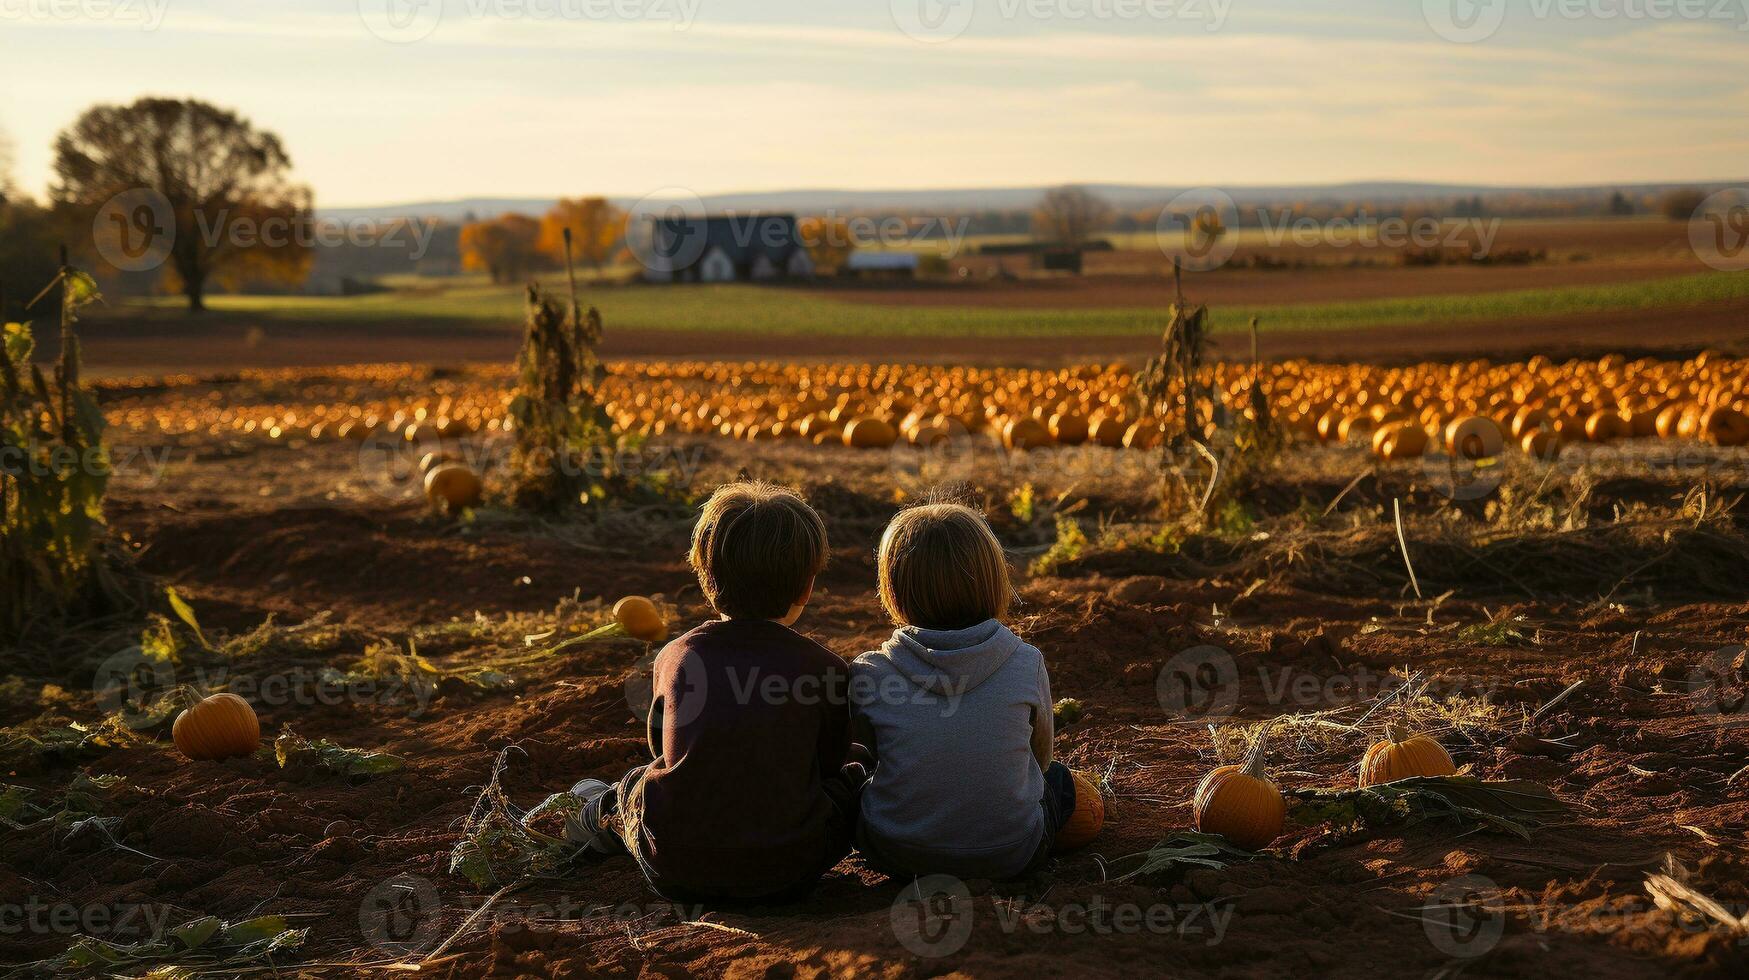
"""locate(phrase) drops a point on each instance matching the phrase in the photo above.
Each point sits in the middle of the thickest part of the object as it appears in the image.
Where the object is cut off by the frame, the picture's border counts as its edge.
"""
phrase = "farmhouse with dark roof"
(727, 248)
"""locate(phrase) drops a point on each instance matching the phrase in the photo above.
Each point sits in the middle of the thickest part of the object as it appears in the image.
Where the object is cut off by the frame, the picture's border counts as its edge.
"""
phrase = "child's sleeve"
(861, 728)
(835, 726)
(1043, 726)
(653, 732)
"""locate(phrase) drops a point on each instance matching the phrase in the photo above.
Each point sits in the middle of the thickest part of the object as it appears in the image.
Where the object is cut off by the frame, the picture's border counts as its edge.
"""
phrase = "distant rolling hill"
(953, 200)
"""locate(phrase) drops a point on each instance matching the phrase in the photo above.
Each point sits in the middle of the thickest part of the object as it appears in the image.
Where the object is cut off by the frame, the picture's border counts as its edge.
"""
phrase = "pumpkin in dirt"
(1542, 444)
(1026, 432)
(928, 434)
(220, 727)
(1107, 431)
(1604, 426)
(433, 460)
(1473, 438)
(1528, 419)
(1724, 427)
(1143, 435)
(1068, 428)
(640, 618)
(453, 487)
(1403, 440)
(1241, 803)
(869, 433)
(1085, 823)
(1402, 755)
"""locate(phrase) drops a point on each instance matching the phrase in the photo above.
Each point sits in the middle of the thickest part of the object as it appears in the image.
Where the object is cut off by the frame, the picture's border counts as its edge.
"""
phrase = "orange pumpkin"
(1403, 440)
(1724, 427)
(1473, 438)
(641, 619)
(220, 727)
(452, 487)
(1108, 431)
(1087, 820)
(1542, 444)
(1026, 432)
(1143, 435)
(1241, 803)
(1606, 426)
(1403, 756)
(870, 433)
(1068, 428)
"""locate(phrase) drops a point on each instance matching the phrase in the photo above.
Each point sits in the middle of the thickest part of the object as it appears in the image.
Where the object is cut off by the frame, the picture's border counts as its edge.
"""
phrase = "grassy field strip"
(765, 310)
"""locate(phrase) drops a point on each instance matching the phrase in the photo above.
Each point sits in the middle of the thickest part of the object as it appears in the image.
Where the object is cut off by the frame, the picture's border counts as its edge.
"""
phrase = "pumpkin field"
(1433, 669)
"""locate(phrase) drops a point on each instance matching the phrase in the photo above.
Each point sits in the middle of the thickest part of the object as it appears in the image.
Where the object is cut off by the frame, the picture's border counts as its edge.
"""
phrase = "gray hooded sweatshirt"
(956, 788)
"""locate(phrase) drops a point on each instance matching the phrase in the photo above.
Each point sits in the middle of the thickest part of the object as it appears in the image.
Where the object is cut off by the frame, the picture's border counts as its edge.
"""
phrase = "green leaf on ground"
(295, 752)
(1509, 806)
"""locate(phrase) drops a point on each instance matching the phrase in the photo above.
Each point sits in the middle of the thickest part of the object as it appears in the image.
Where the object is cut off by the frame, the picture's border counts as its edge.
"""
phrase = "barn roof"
(743, 238)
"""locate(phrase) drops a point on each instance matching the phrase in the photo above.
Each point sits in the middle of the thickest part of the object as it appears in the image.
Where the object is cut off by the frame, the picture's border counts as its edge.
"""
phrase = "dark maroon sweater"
(748, 718)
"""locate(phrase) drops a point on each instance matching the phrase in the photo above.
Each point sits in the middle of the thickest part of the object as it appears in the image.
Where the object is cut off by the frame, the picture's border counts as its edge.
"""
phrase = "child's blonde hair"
(941, 567)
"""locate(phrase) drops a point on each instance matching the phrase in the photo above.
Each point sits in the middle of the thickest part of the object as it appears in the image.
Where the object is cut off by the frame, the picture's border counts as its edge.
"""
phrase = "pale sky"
(513, 98)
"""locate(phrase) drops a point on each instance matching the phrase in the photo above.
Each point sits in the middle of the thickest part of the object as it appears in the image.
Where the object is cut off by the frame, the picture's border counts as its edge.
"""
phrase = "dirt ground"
(1651, 761)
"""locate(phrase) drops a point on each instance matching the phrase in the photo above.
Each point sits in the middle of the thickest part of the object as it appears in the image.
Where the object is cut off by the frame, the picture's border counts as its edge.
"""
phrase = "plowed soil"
(1652, 763)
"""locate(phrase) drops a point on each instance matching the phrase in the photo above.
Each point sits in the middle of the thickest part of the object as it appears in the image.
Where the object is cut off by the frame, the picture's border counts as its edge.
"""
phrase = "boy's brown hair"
(941, 567)
(756, 547)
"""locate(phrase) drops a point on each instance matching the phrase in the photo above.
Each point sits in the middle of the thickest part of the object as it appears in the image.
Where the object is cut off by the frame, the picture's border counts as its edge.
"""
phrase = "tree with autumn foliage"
(596, 226)
(230, 210)
(506, 248)
(828, 240)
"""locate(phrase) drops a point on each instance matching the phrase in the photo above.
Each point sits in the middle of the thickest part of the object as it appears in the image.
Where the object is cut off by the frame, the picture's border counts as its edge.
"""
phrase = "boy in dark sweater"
(750, 796)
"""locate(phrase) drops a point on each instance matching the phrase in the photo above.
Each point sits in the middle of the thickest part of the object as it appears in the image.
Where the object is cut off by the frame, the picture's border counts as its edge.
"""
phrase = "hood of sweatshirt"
(950, 662)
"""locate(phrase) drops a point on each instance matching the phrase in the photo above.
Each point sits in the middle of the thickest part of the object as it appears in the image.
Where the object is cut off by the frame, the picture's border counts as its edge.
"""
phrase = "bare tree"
(1681, 204)
(234, 210)
(1070, 215)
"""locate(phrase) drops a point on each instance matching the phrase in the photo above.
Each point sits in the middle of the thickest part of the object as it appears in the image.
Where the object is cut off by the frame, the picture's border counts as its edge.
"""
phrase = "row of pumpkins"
(1399, 411)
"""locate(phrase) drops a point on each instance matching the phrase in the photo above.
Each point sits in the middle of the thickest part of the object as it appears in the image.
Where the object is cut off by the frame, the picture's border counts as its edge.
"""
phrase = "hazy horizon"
(547, 98)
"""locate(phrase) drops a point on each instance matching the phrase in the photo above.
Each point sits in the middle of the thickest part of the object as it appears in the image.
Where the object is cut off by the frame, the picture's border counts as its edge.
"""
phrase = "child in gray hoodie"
(956, 711)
